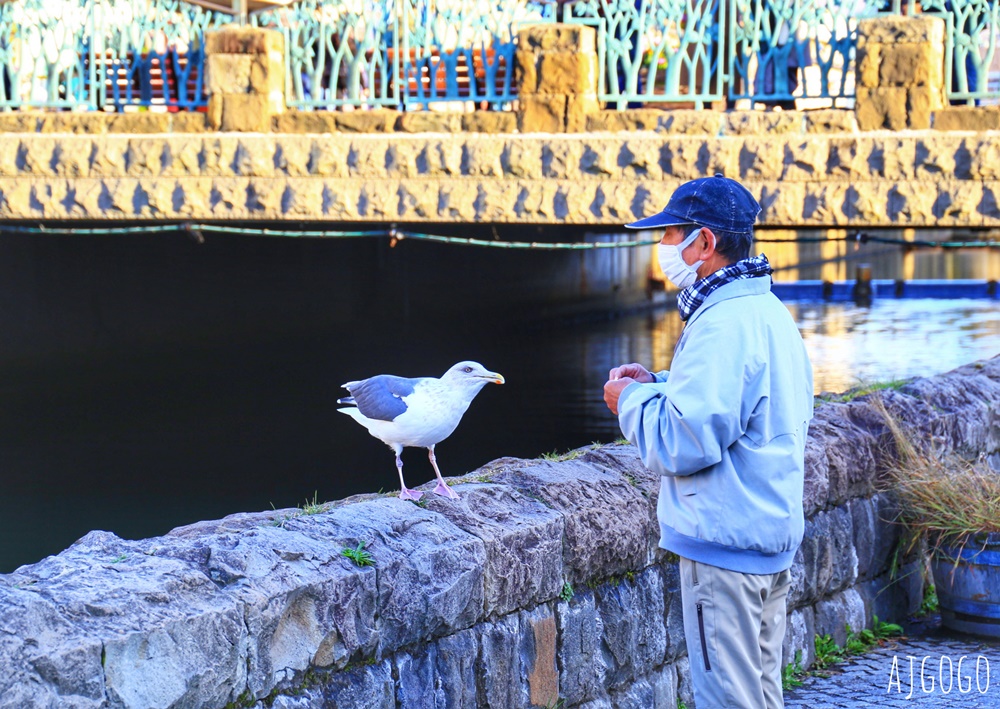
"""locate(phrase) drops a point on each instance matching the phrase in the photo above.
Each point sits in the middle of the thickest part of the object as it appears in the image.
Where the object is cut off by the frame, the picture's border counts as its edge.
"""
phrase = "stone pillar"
(244, 77)
(557, 77)
(899, 72)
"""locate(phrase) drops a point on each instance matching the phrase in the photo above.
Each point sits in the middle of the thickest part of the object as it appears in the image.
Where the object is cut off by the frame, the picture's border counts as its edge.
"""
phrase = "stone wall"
(803, 175)
(544, 582)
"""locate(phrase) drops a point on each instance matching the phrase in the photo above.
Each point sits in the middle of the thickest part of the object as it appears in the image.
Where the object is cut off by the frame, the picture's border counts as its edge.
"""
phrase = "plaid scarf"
(691, 298)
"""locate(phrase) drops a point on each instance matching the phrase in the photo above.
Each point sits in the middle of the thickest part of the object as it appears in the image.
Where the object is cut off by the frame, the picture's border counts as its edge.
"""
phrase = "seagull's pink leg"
(441, 488)
(405, 493)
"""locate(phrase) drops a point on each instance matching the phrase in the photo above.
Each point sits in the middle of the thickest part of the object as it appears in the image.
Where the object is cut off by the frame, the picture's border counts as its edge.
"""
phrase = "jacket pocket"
(704, 642)
(688, 484)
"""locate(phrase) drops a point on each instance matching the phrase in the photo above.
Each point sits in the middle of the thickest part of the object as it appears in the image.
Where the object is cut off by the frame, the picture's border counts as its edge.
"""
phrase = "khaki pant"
(734, 624)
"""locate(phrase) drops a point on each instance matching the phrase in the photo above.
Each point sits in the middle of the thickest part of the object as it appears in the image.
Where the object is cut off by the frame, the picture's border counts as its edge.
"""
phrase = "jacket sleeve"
(683, 425)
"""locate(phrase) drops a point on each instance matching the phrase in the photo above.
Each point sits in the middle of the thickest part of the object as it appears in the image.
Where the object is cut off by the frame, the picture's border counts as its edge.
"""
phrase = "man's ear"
(707, 242)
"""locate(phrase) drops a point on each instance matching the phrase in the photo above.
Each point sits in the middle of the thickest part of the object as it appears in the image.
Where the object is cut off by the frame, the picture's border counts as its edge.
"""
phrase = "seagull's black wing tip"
(347, 400)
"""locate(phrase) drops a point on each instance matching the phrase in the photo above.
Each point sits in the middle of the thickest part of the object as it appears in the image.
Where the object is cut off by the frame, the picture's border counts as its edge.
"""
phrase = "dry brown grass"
(943, 498)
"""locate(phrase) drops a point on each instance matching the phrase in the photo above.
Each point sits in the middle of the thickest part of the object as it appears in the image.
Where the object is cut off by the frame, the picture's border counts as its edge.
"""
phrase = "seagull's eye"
(467, 369)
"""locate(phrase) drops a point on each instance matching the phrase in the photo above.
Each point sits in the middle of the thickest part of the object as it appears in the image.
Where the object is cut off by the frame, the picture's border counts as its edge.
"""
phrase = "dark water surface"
(140, 438)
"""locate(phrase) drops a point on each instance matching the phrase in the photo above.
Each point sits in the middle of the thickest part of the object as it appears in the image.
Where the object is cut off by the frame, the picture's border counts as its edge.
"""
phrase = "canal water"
(133, 438)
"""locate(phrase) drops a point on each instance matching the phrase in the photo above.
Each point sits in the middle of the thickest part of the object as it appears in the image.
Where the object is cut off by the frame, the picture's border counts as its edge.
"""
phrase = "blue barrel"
(968, 586)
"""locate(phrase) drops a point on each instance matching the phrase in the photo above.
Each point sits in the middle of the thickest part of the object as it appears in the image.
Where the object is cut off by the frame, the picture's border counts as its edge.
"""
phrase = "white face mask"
(672, 261)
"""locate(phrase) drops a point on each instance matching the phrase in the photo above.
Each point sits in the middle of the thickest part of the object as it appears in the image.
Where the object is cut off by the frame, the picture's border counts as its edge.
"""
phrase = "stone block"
(800, 633)
(966, 118)
(826, 562)
(541, 114)
(638, 693)
(762, 158)
(540, 642)
(584, 666)
(167, 637)
(430, 573)
(882, 107)
(835, 615)
(305, 604)
(526, 71)
(305, 122)
(851, 453)
(600, 158)
(45, 657)
(607, 521)
(71, 158)
(20, 121)
(401, 158)
(482, 157)
(755, 123)
(522, 539)
(367, 156)
(189, 122)
(364, 687)
(917, 64)
(867, 65)
(560, 37)
(831, 120)
(145, 156)
(664, 682)
(690, 122)
(228, 73)
(501, 675)
(567, 72)
(805, 160)
(267, 76)
(578, 107)
(444, 669)
(440, 157)
(633, 119)
(898, 29)
(639, 159)
(817, 482)
(249, 113)
(213, 114)
(89, 123)
(379, 120)
(145, 122)
(921, 101)
(429, 122)
(634, 637)
(937, 157)
(232, 39)
(489, 122)
(522, 157)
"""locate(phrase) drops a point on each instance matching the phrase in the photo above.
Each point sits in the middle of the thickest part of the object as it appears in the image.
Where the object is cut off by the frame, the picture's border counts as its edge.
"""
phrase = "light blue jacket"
(726, 428)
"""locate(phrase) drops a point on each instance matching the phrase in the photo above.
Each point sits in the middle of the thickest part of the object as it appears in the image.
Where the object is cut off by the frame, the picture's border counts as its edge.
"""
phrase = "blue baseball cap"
(717, 202)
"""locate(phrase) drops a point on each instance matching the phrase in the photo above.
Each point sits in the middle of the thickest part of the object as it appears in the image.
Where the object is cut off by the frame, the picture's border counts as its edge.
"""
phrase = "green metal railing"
(115, 54)
(408, 53)
(93, 54)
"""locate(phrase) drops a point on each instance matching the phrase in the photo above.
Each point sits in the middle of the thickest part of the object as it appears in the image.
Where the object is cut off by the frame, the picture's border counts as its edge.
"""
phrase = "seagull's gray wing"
(381, 397)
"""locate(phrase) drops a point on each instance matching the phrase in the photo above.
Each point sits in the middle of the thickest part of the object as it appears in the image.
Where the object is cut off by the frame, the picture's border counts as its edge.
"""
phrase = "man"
(726, 428)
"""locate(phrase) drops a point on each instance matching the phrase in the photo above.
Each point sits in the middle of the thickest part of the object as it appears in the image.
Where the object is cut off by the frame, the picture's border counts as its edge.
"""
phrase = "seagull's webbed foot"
(405, 493)
(444, 491)
(408, 494)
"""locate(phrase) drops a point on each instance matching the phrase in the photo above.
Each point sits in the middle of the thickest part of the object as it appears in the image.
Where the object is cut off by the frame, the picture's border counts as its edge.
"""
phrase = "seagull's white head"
(471, 374)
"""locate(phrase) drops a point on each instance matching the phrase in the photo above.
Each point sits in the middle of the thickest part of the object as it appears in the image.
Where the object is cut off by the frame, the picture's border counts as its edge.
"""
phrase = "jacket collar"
(733, 289)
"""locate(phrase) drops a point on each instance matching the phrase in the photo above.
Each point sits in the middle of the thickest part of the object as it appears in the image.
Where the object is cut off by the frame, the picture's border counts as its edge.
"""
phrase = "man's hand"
(632, 371)
(613, 390)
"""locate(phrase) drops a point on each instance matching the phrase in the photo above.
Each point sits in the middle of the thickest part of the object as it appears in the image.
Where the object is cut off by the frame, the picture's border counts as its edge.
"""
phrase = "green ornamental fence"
(121, 54)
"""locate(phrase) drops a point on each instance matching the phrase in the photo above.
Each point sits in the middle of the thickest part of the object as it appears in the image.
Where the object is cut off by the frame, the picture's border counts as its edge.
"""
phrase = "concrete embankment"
(544, 582)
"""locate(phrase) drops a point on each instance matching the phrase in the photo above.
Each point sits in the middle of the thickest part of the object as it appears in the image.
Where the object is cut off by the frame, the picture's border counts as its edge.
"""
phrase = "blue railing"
(408, 53)
(115, 54)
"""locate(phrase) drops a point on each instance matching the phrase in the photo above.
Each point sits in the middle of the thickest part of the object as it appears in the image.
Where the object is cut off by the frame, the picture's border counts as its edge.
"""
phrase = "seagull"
(418, 413)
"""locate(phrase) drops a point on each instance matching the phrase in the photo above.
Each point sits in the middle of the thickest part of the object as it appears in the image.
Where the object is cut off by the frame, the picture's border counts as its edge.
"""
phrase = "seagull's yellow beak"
(494, 377)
